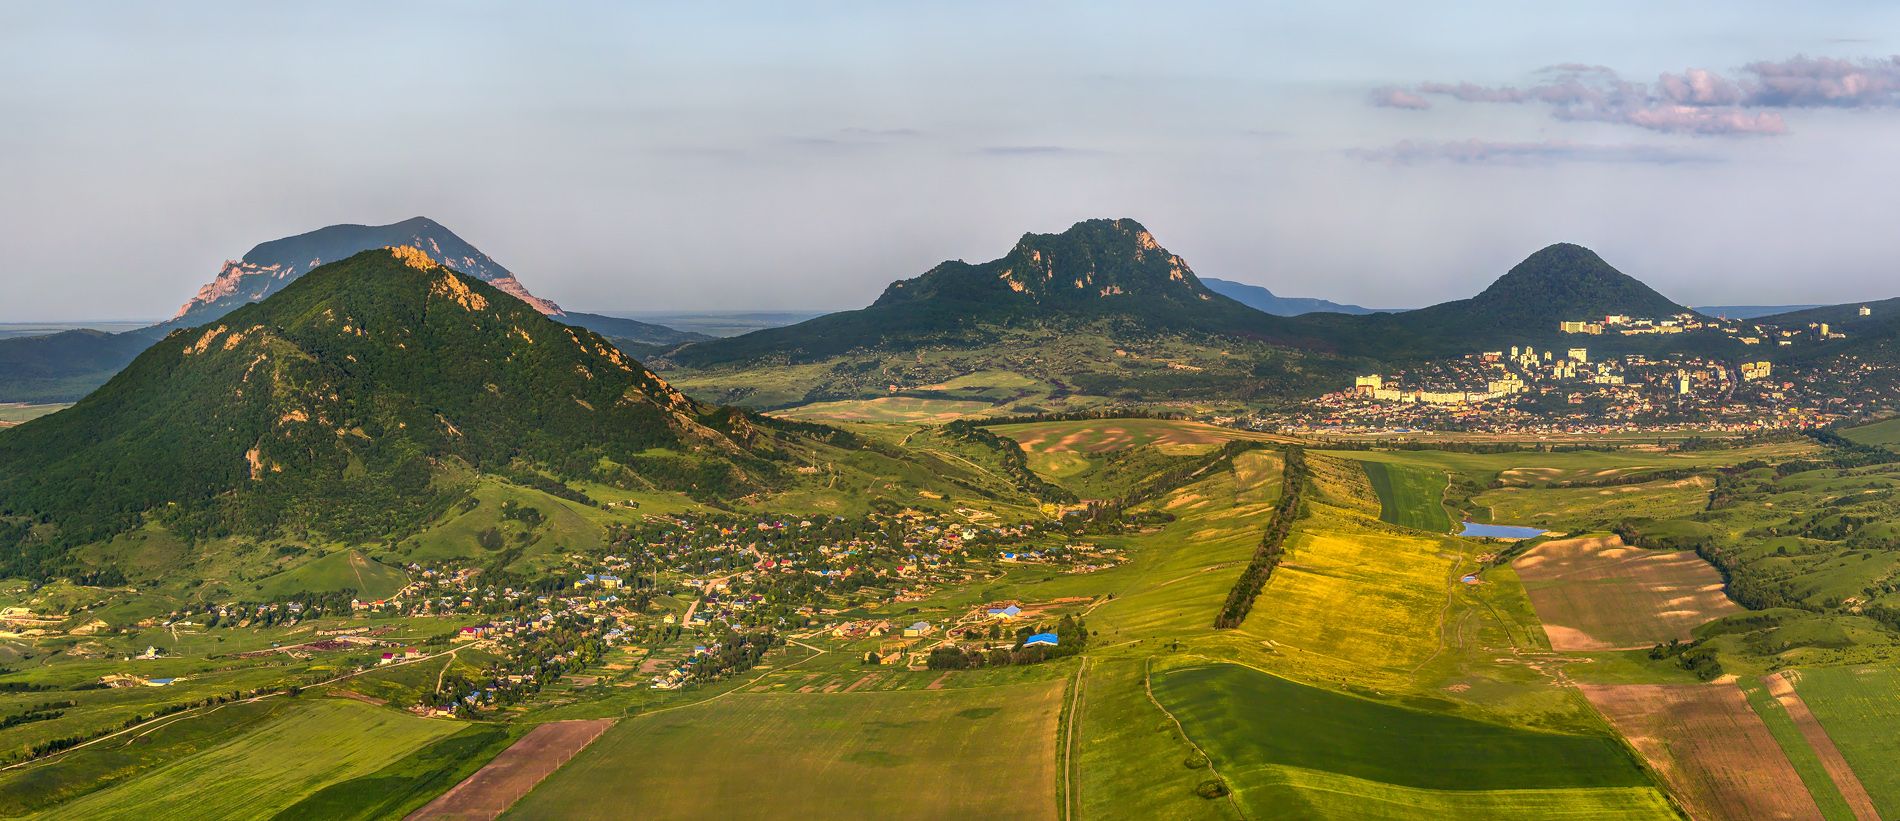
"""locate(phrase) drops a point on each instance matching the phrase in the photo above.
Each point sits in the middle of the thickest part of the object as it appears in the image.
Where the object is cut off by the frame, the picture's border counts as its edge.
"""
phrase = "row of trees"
(1014, 463)
(1272, 543)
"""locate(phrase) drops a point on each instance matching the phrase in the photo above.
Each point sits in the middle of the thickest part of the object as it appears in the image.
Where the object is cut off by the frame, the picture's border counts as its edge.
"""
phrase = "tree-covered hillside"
(346, 406)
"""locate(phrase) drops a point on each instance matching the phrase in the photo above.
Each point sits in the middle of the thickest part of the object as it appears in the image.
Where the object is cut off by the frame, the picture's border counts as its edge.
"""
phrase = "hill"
(65, 366)
(271, 265)
(350, 405)
(1100, 313)
(1559, 282)
(1098, 271)
(1265, 301)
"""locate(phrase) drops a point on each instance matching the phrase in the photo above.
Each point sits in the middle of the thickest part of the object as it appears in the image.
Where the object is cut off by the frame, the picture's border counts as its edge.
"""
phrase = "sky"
(786, 155)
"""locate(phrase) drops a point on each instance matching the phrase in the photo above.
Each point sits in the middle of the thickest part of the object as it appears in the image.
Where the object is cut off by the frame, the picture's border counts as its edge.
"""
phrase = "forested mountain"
(63, 367)
(1109, 271)
(1559, 282)
(269, 266)
(344, 406)
(1266, 301)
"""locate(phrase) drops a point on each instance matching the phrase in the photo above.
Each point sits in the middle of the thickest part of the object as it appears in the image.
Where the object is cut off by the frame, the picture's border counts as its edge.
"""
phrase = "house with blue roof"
(1009, 612)
(1046, 639)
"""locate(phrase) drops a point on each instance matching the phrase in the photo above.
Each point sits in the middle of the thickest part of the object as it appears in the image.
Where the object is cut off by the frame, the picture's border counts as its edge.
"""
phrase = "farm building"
(1010, 612)
(921, 628)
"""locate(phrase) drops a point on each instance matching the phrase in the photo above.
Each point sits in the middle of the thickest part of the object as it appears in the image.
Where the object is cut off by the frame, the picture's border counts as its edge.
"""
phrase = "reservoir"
(1499, 531)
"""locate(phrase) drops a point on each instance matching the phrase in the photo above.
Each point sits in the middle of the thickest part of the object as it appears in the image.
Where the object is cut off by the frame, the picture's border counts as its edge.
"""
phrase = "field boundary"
(503, 781)
(1147, 687)
(1781, 688)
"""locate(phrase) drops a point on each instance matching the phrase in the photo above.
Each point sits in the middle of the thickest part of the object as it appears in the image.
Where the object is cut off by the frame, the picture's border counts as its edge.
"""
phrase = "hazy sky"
(802, 155)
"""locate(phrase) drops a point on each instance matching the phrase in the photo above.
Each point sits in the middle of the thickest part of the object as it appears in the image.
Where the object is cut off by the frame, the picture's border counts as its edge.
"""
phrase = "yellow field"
(1352, 603)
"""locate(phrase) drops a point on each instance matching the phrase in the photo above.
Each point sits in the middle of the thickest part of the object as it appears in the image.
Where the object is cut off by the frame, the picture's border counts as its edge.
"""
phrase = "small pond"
(1500, 531)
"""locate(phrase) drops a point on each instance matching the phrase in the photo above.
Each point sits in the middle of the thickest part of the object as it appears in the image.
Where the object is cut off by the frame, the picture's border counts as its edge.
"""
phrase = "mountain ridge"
(1264, 300)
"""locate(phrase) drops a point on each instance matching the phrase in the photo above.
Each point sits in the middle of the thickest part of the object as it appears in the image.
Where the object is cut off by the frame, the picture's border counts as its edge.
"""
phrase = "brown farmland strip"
(1599, 594)
(1782, 688)
(498, 785)
(1713, 751)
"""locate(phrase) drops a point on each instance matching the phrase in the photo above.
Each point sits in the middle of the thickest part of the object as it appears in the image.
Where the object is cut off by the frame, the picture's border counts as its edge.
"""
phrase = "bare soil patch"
(1781, 686)
(1712, 750)
(496, 787)
(1600, 594)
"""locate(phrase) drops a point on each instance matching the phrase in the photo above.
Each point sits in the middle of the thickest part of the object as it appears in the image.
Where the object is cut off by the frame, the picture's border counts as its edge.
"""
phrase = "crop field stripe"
(1598, 594)
(1841, 788)
(1717, 755)
(491, 790)
(1410, 497)
(864, 754)
(1859, 707)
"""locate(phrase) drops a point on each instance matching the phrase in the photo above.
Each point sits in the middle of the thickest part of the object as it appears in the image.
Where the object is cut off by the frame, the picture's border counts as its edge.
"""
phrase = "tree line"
(1272, 543)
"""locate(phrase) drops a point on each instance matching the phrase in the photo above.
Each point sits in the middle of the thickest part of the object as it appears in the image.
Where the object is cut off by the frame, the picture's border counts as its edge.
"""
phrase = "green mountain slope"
(1559, 282)
(66, 366)
(346, 406)
(1107, 272)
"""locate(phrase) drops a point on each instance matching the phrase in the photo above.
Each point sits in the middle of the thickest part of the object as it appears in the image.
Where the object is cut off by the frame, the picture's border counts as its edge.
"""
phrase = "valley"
(1374, 609)
(1038, 566)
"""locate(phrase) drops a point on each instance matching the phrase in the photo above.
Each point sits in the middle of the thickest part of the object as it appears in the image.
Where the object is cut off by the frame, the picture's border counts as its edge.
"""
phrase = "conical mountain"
(1559, 282)
(345, 403)
(1566, 281)
(1099, 271)
(66, 366)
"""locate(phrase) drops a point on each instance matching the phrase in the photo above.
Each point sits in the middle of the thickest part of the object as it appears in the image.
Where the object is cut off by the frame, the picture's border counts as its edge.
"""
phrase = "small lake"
(1500, 531)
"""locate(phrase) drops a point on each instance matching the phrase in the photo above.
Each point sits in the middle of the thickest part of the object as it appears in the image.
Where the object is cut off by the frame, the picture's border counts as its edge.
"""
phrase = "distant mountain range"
(1265, 301)
(64, 366)
(1097, 271)
(344, 405)
(1114, 271)
(1750, 311)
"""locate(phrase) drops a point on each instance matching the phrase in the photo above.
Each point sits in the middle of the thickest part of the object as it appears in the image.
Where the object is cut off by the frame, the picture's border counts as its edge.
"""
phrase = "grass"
(1410, 497)
(1131, 759)
(1860, 707)
(90, 768)
(268, 768)
(342, 570)
(1273, 757)
(1884, 432)
(408, 782)
(1591, 508)
(1805, 761)
(907, 409)
(981, 752)
(1100, 435)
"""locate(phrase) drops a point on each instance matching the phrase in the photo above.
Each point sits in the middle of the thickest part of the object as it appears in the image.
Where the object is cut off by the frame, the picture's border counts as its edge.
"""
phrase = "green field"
(1884, 432)
(268, 768)
(981, 752)
(1410, 497)
(406, 783)
(907, 409)
(342, 570)
(1098, 435)
(1296, 754)
(1860, 709)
